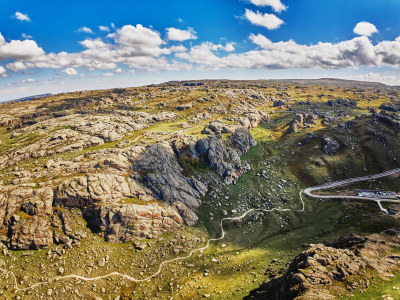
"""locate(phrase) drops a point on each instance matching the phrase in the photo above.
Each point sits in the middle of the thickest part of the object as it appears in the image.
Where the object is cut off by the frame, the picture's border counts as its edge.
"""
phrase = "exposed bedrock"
(126, 222)
(225, 159)
(163, 175)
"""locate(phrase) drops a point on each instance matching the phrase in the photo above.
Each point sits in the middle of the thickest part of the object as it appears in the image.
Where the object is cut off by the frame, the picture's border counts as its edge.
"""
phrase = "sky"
(60, 46)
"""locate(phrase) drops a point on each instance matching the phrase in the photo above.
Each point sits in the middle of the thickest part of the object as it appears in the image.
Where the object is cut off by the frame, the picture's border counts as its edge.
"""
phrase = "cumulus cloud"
(283, 55)
(17, 49)
(175, 34)
(136, 46)
(3, 72)
(276, 5)
(139, 41)
(70, 71)
(378, 77)
(205, 53)
(365, 29)
(142, 48)
(85, 29)
(26, 36)
(269, 21)
(104, 28)
(22, 17)
(107, 74)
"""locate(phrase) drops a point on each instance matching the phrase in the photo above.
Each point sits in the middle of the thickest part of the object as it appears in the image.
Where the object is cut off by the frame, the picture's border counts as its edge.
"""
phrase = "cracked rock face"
(225, 159)
(92, 188)
(126, 222)
(163, 175)
(242, 140)
(31, 233)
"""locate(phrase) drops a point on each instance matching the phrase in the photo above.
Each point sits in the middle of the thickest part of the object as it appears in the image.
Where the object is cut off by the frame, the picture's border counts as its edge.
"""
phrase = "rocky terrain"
(121, 180)
(352, 263)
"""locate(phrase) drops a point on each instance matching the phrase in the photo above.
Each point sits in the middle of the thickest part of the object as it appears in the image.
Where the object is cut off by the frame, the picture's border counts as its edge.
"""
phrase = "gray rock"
(330, 146)
(163, 175)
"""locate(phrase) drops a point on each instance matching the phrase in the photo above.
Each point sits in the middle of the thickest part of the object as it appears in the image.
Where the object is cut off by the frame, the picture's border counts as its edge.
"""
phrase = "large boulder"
(329, 145)
(242, 140)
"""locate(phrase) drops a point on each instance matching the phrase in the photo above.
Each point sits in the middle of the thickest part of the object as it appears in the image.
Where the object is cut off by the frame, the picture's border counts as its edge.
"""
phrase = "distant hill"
(29, 98)
(342, 83)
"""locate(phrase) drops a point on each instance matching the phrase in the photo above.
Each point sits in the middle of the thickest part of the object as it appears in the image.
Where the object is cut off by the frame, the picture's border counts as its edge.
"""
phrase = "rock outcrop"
(216, 127)
(329, 145)
(163, 175)
(98, 187)
(127, 222)
(300, 121)
(313, 271)
(225, 159)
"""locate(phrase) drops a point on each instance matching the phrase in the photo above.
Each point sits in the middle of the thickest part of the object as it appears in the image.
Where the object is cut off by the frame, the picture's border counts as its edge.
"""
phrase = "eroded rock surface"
(163, 175)
(314, 271)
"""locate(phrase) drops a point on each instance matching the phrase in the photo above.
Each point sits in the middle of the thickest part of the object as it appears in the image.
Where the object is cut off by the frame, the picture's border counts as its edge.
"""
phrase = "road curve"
(309, 191)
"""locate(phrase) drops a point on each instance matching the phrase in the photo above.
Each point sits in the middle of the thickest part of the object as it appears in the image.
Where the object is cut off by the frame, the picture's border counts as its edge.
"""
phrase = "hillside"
(102, 182)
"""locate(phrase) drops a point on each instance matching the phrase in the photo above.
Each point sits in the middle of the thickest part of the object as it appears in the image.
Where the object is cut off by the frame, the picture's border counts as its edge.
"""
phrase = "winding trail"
(307, 191)
(160, 267)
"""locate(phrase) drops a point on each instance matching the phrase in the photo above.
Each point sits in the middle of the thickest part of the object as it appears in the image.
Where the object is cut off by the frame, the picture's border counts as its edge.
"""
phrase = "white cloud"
(70, 71)
(107, 74)
(205, 53)
(85, 29)
(260, 40)
(118, 70)
(17, 49)
(179, 48)
(229, 47)
(3, 72)
(26, 36)
(276, 5)
(138, 41)
(365, 29)
(175, 34)
(378, 77)
(135, 46)
(283, 55)
(141, 48)
(104, 28)
(22, 17)
(269, 21)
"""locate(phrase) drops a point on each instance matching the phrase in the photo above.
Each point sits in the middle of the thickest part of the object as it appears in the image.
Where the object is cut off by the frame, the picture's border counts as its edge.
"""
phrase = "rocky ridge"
(316, 272)
(123, 188)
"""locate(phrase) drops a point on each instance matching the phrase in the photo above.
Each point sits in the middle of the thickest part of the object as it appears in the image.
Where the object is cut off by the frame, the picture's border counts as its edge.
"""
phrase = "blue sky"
(60, 47)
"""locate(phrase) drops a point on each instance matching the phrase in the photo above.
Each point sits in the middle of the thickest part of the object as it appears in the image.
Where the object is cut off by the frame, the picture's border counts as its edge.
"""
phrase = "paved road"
(309, 191)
